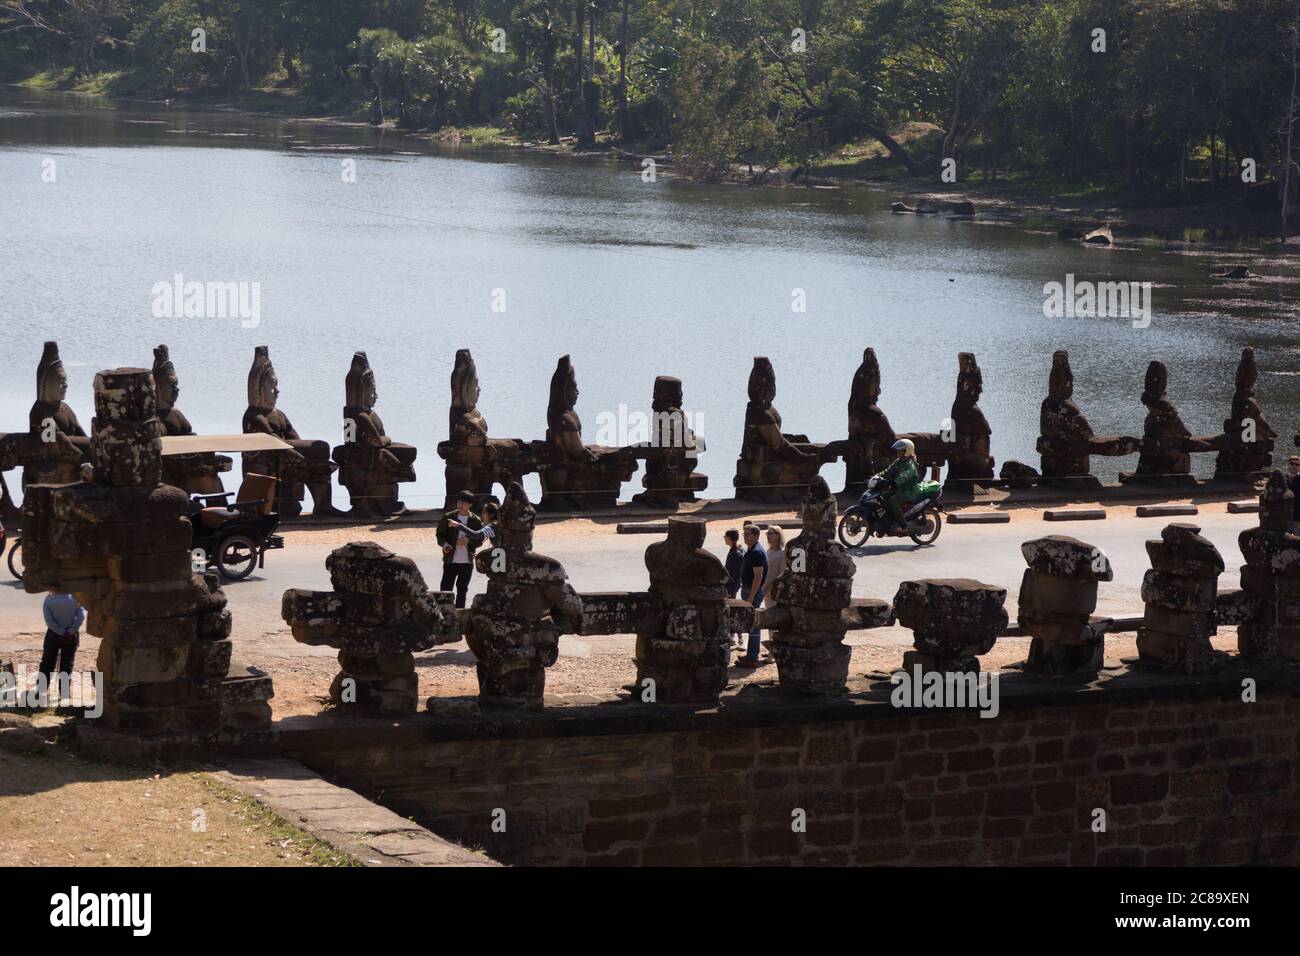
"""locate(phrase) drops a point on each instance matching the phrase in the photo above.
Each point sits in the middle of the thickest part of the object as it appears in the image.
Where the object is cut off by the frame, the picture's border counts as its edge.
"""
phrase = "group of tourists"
(751, 569)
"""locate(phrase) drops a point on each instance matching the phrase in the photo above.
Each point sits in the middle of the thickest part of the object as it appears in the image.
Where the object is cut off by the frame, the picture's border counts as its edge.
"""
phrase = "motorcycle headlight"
(872, 483)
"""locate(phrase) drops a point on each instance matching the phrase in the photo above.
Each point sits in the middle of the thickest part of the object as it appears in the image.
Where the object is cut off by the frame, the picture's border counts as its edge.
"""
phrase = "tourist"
(775, 560)
(63, 619)
(752, 574)
(491, 515)
(460, 533)
(1293, 482)
(735, 558)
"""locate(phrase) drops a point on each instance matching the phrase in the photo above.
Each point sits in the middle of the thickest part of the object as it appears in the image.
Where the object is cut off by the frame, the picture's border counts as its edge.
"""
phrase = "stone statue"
(773, 466)
(808, 600)
(121, 545)
(1249, 438)
(1270, 581)
(514, 627)
(969, 461)
(1180, 596)
(867, 451)
(378, 613)
(56, 445)
(1057, 597)
(475, 462)
(198, 473)
(684, 646)
(308, 464)
(1066, 439)
(1166, 442)
(576, 477)
(672, 452)
(370, 463)
(952, 620)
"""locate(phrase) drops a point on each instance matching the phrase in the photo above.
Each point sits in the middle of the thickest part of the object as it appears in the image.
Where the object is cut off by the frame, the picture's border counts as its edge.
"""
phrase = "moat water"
(103, 204)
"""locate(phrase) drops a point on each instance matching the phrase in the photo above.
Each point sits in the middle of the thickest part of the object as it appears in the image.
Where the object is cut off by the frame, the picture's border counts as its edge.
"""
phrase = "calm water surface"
(632, 279)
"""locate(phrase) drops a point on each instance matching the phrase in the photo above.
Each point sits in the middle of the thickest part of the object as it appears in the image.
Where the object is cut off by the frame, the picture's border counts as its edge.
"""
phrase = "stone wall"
(1185, 771)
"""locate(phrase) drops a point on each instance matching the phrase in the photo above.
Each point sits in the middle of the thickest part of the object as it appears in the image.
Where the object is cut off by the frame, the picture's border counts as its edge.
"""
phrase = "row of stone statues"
(773, 467)
(121, 544)
(380, 610)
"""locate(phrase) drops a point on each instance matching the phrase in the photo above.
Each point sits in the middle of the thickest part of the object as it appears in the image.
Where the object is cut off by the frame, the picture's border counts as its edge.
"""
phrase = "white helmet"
(904, 445)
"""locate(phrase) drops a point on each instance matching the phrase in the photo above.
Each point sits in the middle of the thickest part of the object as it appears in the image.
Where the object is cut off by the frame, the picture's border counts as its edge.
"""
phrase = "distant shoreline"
(1225, 221)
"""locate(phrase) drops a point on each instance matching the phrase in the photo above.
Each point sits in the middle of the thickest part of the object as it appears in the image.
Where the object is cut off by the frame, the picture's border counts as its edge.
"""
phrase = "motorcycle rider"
(906, 478)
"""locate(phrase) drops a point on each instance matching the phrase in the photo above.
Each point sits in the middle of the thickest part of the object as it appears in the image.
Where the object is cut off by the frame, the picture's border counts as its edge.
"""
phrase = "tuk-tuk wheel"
(237, 557)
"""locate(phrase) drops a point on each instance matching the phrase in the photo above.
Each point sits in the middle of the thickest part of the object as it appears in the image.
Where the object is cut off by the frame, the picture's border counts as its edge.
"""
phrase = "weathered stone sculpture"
(969, 462)
(1180, 595)
(1270, 580)
(576, 477)
(378, 614)
(685, 644)
(371, 465)
(773, 466)
(1248, 438)
(867, 450)
(475, 462)
(56, 445)
(1057, 597)
(1165, 457)
(811, 601)
(672, 452)
(514, 628)
(1066, 439)
(121, 544)
(951, 621)
(307, 466)
(199, 473)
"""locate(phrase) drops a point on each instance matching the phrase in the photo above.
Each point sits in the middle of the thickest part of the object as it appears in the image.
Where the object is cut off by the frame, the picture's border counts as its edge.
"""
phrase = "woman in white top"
(775, 561)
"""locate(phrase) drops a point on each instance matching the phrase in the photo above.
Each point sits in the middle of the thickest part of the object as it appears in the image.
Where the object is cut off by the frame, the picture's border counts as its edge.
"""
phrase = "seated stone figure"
(121, 545)
(1248, 437)
(1167, 443)
(307, 465)
(773, 466)
(56, 445)
(1066, 440)
(672, 452)
(370, 463)
(475, 462)
(575, 476)
(866, 452)
(199, 473)
(969, 461)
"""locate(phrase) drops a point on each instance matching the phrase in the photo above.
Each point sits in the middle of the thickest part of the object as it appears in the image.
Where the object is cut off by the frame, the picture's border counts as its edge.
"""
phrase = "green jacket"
(449, 530)
(907, 483)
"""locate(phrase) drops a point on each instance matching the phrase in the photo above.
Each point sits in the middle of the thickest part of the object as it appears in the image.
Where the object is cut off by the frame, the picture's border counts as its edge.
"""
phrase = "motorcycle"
(922, 520)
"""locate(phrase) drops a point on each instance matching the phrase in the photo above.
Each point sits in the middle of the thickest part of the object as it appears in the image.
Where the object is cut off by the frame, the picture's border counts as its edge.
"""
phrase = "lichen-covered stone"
(1270, 580)
(379, 613)
(1180, 592)
(952, 621)
(1057, 597)
(371, 465)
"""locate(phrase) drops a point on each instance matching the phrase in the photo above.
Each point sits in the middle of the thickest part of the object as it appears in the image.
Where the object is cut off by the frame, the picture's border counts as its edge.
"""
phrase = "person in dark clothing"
(753, 570)
(460, 532)
(63, 619)
(735, 558)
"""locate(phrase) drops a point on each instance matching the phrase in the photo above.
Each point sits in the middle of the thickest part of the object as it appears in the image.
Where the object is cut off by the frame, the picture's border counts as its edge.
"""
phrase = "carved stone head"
(1247, 371)
(686, 531)
(360, 388)
(818, 510)
(866, 381)
(667, 394)
(1276, 504)
(51, 379)
(1155, 383)
(564, 388)
(464, 384)
(762, 381)
(970, 381)
(166, 383)
(263, 386)
(1060, 383)
(517, 519)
